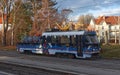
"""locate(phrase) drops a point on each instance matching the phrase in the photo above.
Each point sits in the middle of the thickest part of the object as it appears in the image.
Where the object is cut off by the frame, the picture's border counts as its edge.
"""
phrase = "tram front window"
(91, 39)
(91, 43)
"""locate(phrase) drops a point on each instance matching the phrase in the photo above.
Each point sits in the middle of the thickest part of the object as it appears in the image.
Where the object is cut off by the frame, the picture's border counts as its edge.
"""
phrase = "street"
(72, 66)
(5, 73)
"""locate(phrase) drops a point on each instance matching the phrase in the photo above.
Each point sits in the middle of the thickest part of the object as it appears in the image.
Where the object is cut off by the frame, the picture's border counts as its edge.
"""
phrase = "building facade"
(1, 24)
(107, 28)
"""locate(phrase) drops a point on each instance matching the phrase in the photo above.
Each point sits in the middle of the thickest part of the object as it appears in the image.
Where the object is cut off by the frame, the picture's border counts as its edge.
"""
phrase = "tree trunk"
(3, 31)
(4, 38)
(12, 38)
(12, 32)
(106, 37)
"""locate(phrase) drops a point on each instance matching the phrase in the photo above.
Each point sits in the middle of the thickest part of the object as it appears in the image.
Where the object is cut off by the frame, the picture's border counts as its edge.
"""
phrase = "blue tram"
(79, 44)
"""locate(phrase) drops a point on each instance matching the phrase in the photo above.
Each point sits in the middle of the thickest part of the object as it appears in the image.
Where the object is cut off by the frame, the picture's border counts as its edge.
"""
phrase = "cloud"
(73, 17)
(108, 11)
(103, 11)
(73, 4)
(95, 7)
(107, 1)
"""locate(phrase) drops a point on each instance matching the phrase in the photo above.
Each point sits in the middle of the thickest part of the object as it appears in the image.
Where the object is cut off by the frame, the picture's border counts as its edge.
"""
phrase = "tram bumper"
(91, 54)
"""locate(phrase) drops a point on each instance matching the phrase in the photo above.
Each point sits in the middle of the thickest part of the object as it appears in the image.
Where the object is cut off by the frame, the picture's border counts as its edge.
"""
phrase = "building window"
(102, 28)
(103, 33)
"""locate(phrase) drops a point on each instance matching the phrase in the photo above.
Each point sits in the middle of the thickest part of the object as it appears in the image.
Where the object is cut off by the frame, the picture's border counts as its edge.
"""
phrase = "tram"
(79, 44)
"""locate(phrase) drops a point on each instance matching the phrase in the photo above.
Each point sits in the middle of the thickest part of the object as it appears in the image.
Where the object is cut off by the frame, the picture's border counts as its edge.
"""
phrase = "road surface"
(5, 73)
(72, 66)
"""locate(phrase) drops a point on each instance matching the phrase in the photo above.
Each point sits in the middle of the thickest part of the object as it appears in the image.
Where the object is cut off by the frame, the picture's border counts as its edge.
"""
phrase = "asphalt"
(5, 73)
(73, 69)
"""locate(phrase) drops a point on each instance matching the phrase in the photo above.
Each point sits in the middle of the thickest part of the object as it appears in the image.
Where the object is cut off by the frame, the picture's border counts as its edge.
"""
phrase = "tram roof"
(67, 33)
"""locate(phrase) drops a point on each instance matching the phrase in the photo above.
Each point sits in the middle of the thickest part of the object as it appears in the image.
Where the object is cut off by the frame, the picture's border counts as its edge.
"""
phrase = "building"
(1, 24)
(107, 28)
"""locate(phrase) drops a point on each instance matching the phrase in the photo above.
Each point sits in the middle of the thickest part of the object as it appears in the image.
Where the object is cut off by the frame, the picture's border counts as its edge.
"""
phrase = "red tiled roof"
(112, 20)
(1, 19)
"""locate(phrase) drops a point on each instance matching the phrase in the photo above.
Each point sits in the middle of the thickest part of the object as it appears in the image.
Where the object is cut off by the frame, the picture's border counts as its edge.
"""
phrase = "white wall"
(1, 26)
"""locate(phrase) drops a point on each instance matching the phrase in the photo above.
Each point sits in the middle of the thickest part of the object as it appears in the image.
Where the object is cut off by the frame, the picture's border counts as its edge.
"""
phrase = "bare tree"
(21, 17)
(16, 6)
(34, 6)
(46, 15)
(88, 17)
(65, 13)
(5, 6)
(85, 20)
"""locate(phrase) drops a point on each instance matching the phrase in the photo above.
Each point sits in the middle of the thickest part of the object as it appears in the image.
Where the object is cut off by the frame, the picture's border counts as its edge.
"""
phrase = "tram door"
(79, 45)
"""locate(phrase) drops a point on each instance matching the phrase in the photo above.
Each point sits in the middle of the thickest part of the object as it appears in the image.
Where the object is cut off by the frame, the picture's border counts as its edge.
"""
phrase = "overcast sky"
(94, 7)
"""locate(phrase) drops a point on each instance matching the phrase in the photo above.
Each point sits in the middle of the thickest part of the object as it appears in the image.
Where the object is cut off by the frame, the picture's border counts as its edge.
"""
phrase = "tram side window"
(86, 40)
(55, 40)
(73, 40)
(43, 40)
(48, 39)
(65, 40)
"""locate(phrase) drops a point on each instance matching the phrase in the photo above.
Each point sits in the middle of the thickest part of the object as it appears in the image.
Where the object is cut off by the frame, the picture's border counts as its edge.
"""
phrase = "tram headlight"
(94, 49)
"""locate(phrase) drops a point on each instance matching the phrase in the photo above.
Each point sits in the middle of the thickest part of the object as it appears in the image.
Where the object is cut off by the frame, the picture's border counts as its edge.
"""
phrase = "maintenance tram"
(79, 44)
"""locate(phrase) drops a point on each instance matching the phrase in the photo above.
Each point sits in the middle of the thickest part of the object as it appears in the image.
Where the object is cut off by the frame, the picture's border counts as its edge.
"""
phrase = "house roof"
(112, 20)
(1, 19)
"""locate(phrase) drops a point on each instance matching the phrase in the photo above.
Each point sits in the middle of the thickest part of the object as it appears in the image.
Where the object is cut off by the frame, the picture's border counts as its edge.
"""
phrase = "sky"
(94, 7)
